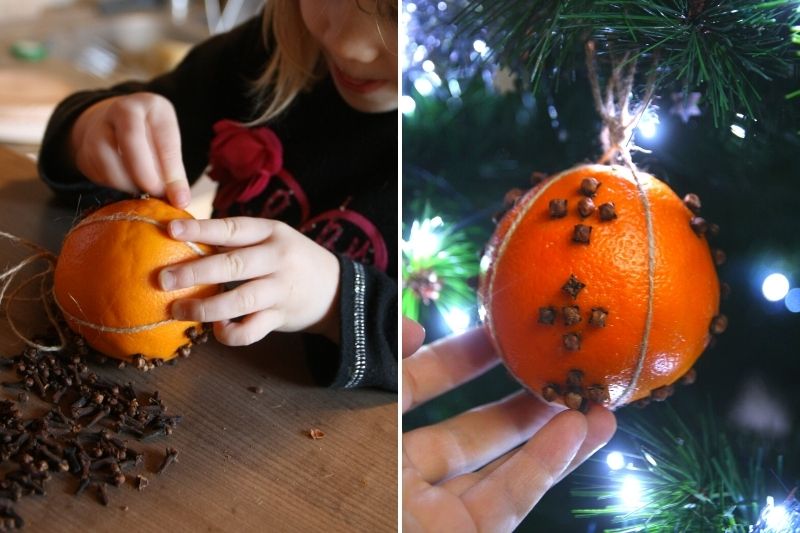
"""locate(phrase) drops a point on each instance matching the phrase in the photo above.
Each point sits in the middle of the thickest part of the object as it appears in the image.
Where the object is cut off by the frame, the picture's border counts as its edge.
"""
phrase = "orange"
(612, 320)
(106, 280)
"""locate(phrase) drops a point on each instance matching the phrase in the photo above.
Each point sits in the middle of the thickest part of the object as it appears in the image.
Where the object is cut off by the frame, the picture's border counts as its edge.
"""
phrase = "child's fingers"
(135, 147)
(245, 299)
(233, 231)
(109, 167)
(438, 367)
(473, 439)
(167, 141)
(237, 265)
(504, 497)
(253, 328)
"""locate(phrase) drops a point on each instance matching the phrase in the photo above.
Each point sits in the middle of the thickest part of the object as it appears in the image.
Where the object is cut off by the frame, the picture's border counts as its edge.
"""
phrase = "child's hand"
(483, 470)
(132, 143)
(291, 282)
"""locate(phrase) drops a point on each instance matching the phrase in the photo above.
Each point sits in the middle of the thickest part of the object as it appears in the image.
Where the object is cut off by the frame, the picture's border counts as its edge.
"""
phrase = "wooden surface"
(246, 461)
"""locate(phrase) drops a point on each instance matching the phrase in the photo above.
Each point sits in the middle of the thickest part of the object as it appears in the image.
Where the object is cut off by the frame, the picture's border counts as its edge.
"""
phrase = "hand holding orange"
(106, 280)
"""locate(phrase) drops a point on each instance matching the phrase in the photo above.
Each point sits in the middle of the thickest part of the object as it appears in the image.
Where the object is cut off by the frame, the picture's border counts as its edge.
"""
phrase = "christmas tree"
(497, 94)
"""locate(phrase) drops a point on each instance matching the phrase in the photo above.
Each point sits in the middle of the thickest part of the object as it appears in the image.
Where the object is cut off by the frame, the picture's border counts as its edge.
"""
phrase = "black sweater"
(343, 161)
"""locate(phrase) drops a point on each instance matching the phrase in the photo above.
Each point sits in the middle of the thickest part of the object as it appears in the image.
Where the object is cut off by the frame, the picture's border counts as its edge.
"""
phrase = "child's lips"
(359, 85)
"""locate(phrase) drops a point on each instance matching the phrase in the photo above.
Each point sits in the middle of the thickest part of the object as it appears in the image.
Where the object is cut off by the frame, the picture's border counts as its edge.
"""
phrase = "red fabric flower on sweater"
(243, 160)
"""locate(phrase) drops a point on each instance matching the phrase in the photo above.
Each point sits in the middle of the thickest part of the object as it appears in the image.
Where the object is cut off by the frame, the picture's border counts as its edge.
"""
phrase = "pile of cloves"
(80, 434)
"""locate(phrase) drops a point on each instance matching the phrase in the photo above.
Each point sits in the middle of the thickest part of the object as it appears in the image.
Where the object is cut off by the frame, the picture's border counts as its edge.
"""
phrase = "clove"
(581, 233)
(558, 208)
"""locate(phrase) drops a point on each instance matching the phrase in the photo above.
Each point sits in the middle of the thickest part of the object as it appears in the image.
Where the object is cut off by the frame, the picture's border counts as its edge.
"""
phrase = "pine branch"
(713, 46)
(691, 478)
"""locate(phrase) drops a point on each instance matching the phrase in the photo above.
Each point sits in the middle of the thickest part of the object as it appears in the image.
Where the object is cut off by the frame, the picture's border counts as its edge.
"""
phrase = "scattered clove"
(58, 441)
(170, 457)
(315, 433)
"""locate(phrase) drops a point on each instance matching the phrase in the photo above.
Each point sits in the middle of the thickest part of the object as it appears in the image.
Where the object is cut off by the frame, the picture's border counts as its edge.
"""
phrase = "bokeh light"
(775, 287)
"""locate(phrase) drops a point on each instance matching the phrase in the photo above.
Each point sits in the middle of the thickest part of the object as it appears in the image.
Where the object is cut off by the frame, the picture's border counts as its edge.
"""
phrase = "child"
(296, 112)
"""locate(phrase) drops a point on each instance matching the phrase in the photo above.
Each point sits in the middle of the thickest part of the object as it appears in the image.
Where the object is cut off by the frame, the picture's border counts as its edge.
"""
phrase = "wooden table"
(246, 461)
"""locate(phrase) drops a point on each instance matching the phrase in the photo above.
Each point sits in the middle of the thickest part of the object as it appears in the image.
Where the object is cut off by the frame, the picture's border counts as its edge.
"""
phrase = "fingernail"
(167, 280)
(176, 227)
(182, 198)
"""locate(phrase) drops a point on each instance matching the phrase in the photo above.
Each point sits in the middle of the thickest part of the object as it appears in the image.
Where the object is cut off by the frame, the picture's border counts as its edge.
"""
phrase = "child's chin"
(377, 102)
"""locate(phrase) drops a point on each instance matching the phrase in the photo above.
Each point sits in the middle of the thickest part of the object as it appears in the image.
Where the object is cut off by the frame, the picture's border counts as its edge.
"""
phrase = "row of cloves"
(196, 335)
(662, 393)
(577, 396)
(574, 394)
(572, 315)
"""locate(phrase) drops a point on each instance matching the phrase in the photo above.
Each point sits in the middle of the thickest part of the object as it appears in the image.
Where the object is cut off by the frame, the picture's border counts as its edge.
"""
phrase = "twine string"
(615, 112)
(619, 121)
(45, 291)
(47, 296)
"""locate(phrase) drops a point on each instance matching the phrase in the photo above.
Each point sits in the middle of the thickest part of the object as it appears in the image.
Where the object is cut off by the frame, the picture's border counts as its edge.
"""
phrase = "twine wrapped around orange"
(106, 280)
(599, 285)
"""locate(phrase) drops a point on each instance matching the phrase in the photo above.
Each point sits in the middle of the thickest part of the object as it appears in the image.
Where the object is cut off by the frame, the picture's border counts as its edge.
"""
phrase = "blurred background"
(473, 130)
(51, 48)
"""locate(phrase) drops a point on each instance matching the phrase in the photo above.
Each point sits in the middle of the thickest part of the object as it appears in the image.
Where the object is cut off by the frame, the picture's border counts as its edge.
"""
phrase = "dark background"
(460, 156)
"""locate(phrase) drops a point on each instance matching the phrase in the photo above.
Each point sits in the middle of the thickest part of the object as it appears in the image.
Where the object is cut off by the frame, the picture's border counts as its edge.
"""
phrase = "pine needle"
(715, 47)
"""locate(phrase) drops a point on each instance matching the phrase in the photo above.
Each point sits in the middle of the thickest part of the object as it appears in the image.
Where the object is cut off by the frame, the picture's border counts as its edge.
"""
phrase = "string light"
(423, 240)
(792, 300)
(457, 320)
(648, 124)
(407, 105)
(775, 287)
(738, 131)
(631, 492)
(615, 460)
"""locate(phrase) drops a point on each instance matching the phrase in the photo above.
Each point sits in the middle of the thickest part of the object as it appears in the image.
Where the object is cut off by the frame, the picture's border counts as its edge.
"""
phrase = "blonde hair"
(294, 63)
(294, 58)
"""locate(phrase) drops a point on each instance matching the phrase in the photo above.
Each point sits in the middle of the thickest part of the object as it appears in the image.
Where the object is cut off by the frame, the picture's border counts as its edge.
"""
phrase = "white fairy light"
(615, 460)
(457, 319)
(775, 287)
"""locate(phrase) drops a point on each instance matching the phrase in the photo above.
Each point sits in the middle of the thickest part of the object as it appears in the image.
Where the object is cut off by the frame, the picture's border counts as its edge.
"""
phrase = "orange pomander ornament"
(600, 286)
(106, 280)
